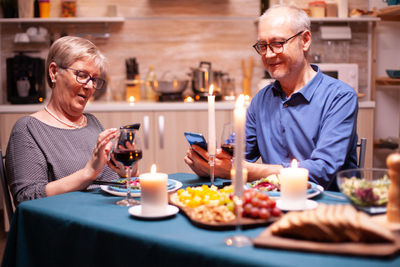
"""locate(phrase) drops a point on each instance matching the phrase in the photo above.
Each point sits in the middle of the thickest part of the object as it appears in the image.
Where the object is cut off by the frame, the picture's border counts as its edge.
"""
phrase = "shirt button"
(283, 130)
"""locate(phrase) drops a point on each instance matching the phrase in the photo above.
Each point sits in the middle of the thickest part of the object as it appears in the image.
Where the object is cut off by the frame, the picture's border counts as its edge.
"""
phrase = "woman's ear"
(53, 69)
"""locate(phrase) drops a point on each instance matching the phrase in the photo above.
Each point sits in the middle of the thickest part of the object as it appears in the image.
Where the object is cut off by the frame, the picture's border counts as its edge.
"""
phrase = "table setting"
(185, 219)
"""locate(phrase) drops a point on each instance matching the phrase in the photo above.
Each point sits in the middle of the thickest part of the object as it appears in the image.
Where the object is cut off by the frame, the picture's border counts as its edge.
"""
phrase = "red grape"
(276, 211)
(264, 213)
(259, 205)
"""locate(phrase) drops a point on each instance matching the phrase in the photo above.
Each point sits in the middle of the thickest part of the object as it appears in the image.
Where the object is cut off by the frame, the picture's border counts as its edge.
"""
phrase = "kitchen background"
(176, 35)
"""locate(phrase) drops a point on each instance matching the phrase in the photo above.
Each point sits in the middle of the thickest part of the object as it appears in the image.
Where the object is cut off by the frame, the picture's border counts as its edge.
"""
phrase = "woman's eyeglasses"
(276, 47)
(83, 77)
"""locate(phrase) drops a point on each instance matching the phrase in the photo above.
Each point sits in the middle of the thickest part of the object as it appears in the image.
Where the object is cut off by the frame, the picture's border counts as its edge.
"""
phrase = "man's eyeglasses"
(83, 77)
(276, 47)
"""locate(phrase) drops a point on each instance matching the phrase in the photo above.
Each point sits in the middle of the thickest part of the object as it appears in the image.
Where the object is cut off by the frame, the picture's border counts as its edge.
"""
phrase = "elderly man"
(305, 115)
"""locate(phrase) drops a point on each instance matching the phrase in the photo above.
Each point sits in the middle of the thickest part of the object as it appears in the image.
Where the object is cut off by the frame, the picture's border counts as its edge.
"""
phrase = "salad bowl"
(367, 189)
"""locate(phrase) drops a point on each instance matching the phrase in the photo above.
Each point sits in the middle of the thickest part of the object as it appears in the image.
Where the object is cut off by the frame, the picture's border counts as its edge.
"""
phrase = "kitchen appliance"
(345, 72)
(169, 88)
(202, 78)
(25, 79)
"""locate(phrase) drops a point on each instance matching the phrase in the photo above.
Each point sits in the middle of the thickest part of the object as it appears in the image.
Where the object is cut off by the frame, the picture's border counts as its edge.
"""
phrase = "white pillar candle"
(239, 116)
(293, 181)
(153, 192)
(211, 122)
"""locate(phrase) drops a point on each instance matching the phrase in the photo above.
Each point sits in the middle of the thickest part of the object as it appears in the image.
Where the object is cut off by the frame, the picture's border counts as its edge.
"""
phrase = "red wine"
(228, 148)
(128, 157)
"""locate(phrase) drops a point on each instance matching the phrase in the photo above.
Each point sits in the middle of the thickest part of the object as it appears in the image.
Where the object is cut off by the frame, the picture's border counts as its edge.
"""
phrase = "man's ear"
(306, 38)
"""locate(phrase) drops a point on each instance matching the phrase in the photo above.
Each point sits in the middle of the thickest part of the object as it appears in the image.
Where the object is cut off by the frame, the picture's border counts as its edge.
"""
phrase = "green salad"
(366, 193)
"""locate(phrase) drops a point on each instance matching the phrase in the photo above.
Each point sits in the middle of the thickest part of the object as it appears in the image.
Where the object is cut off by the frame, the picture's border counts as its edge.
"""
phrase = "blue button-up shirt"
(316, 126)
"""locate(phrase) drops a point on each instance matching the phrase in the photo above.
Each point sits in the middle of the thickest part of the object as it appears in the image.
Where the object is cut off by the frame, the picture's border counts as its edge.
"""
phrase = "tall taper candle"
(211, 122)
(239, 115)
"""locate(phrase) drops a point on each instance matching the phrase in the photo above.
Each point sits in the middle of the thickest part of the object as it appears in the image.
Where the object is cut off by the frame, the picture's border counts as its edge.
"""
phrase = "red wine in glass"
(128, 157)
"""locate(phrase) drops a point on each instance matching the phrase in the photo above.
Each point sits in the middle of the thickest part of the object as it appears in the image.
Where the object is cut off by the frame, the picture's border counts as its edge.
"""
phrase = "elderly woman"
(60, 148)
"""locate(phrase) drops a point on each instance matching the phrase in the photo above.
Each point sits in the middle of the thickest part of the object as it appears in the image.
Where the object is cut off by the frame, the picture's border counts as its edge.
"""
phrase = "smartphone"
(196, 139)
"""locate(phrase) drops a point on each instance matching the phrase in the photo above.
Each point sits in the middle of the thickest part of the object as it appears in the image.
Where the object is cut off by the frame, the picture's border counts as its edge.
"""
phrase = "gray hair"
(298, 18)
(69, 49)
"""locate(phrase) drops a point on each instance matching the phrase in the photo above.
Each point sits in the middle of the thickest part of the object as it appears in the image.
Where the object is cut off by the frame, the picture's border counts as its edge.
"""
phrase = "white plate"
(137, 212)
(136, 192)
(309, 205)
(315, 190)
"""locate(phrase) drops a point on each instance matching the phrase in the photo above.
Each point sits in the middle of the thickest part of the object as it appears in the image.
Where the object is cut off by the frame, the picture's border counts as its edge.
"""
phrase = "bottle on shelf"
(150, 78)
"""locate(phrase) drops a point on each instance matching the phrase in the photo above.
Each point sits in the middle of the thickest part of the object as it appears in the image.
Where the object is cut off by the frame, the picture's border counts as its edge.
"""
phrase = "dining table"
(87, 228)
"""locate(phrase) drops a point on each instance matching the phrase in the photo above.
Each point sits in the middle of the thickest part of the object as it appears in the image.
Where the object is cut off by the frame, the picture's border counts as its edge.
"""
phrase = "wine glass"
(228, 138)
(127, 150)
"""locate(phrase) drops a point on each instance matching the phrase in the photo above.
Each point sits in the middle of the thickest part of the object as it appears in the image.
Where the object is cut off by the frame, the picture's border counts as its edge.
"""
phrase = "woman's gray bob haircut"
(69, 49)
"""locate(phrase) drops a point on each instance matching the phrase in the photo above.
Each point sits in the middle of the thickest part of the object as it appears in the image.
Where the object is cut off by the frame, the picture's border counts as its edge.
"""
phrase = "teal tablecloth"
(89, 229)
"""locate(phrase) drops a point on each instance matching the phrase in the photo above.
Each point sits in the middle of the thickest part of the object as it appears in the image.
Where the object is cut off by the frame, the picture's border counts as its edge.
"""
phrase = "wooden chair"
(362, 145)
(6, 191)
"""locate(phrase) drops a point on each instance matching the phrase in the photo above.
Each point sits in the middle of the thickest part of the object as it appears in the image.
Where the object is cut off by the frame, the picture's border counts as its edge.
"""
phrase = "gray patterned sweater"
(38, 153)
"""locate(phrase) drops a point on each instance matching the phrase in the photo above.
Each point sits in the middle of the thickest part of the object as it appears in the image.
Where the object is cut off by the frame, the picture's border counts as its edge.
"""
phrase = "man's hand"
(197, 159)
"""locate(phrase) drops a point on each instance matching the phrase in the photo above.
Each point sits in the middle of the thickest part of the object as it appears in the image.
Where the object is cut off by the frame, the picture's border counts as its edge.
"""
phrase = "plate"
(309, 205)
(137, 212)
(311, 192)
(121, 192)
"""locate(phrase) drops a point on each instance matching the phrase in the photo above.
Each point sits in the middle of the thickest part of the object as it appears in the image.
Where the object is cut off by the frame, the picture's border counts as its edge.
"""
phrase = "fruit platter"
(213, 208)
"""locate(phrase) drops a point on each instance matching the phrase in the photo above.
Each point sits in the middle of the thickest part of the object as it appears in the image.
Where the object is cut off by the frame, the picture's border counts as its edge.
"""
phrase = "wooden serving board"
(244, 222)
(266, 239)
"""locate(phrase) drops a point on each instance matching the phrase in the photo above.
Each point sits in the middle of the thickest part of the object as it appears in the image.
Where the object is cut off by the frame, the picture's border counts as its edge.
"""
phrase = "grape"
(247, 209)
(264, 213)
(276, 212)
(258, 205)
(254, 212)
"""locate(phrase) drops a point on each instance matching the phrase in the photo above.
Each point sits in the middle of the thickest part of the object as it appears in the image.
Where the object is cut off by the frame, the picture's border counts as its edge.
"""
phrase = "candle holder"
(211, 162)
(238, 240)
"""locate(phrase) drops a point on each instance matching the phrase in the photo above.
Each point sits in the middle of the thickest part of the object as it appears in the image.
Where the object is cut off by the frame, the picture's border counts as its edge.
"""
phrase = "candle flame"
(210, 91)
(294, 163)
(153, 168)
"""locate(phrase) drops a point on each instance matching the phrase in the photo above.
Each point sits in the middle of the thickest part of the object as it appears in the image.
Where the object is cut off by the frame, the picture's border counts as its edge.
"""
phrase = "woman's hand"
(197, 159)
(100, 153)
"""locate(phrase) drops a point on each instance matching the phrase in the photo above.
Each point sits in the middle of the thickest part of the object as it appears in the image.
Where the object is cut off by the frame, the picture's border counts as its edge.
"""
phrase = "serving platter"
(173, 185)
(266, 239)
(244, 222)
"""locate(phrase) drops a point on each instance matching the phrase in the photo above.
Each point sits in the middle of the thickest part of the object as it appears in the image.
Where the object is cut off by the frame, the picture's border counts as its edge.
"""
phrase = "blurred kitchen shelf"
(65, 20)
(389, 143)
(387, 81)
(390, 13)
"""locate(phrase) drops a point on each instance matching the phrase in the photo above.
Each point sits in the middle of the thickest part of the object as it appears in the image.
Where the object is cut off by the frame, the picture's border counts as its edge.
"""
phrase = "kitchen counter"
(142, 106)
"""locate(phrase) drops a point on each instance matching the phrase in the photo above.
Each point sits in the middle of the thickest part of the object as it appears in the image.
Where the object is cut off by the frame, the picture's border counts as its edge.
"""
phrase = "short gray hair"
(299, 19)
(69, 49)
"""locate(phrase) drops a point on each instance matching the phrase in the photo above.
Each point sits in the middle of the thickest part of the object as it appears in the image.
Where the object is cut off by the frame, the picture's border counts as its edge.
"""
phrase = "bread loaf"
(331, 223)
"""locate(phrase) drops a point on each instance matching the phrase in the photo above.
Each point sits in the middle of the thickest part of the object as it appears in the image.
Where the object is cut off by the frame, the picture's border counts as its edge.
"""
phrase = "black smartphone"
(196, 139)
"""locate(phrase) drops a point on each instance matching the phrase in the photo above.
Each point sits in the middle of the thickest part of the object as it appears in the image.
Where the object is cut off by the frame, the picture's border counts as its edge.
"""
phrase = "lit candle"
(293, 181)
(211, 122)
(239, 115)
(153, 192)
